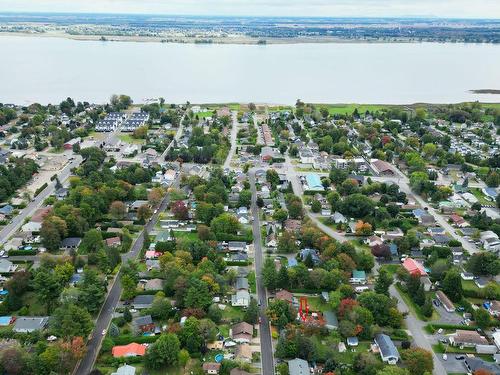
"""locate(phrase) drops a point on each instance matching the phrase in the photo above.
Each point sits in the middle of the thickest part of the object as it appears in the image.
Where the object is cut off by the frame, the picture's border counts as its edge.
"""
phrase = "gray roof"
(331, 318)
(30, 324)
(476, 363)
(143, 300)
(71, 242)
(298, 366)
(142, 320)
(125, 370)
(241, 283)
(386, 346)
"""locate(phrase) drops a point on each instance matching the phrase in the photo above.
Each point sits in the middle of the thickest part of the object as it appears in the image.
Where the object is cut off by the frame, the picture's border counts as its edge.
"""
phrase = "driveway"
(446, 317)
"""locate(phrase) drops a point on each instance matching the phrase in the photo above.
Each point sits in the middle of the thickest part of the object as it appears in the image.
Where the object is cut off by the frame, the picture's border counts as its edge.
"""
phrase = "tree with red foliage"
(180, 210)
(346, 306)
(381, 251)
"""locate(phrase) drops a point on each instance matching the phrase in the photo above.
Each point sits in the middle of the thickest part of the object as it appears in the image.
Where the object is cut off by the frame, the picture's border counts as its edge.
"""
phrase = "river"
(47, 70)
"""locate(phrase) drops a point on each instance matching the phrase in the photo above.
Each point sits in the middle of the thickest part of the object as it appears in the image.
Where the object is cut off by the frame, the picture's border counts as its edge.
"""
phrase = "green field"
(127, 138)
(480, 196)
(186, 235)
(342, 109)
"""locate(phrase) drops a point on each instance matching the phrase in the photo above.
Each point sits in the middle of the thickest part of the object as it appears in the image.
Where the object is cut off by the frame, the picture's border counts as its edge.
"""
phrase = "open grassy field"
(480, 196)
(127, 138)
(342, 109)
(186, 235)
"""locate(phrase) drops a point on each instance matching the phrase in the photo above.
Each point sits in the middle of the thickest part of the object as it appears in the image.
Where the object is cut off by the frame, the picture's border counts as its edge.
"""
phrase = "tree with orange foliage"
(346, 306)
(363, 229)
(482, 371)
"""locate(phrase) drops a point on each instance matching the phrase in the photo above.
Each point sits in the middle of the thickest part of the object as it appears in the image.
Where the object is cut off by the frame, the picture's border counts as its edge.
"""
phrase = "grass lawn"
(185, 235)
(341, 109)
(469, 285)
(252, 282)
(391, 268)
(480, 196)
(442, 348)
(350, 354)
(316, 304)
(35, 308)
(204, 114)
(232, 313)
(416, 309)
(127, 138)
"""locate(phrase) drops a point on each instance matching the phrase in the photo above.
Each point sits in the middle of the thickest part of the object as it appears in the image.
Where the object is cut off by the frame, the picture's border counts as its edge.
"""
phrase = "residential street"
(264, 328)
(18, 220)
(233, 139)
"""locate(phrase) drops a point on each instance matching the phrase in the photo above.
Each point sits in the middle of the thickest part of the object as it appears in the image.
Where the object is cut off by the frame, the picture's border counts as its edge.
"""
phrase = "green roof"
(356, 274)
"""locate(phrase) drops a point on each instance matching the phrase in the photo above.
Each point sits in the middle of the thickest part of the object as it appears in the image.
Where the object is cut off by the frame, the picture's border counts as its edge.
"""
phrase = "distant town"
(249, 30)
(249, 238)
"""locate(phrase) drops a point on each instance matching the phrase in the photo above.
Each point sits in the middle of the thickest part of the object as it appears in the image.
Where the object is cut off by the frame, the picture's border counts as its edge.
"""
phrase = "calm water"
(50, 69)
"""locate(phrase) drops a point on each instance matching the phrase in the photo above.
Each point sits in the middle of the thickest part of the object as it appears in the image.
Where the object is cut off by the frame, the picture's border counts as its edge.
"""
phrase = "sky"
(325, 8)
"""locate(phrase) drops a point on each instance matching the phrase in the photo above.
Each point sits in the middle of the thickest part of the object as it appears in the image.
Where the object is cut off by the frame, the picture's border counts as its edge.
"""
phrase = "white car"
(104, 331)
(445, 357)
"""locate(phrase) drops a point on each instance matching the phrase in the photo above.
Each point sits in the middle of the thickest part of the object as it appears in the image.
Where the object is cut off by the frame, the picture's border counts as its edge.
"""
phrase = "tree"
(357, 206)
(198, 295)
(180, 210)
(155, 196)
(316, 206)
(190, 335)
(117, 210)
(245, 198)
(482, 318)
(384, 281)
(144, 212)
(129, 287)
(280, 313)
(269, 274)
(225, 224)
(393, 370)
(252, 313)
(280, 215)
(47, 287)
(164, 352)
(484, 263)
(127, 315)
(418, 361)
(273, 178)
(452, 285)
(53, 230)
(283, 281)
(13, 360)
(92, 242)
(183, 357)
(71, 321)
(287, 243)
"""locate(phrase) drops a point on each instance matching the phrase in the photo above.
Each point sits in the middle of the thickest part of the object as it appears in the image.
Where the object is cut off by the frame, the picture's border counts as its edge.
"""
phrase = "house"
(154, 284)
(7, 210)
(312, 253)
(475, 364)
(31, 227)
(113, 242)
(70, 243)
(298, 366)
(467, 276)
(382, 168)
(143, 324)
(441, 239)
(242, 332)
(284, 295)
(494, 308)
(338, 218)
(125, 370)
(374, 241)
(358, 277)
(211, 368)
(352, 341)
(241, 283)
(427, 219)
(313, 183)
(130, 350)
(413, 267)
(458, 221)
(387, 349)
(292, 225)
(40, 214)
(6, 266)
(26, 324)
(137, 204)
(142, 302)
(69, 145)
(241, 298)
(490, 193)
(237, 246)
(496, 338)
(467, 338)
(331, 321)
(447, 304)
(243, 353)
(433, 231)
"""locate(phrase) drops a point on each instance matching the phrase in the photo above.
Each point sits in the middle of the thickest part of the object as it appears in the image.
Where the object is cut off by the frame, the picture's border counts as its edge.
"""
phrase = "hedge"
(22, 252)
(40, 189)
(127, 339)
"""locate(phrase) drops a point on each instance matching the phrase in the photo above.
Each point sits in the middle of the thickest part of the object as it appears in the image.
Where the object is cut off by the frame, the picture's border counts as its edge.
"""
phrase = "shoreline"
(236, 40)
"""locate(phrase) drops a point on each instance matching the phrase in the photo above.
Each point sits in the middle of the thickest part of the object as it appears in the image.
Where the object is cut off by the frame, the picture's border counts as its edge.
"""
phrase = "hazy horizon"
(459, 9)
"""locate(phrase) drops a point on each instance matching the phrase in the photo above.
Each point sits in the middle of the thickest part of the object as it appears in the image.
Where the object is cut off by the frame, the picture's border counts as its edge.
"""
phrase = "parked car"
(459, 357)
(445, 357)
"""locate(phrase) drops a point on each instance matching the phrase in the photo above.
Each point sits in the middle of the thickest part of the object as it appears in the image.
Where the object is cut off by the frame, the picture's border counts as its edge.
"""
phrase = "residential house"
(70, 243)
(467, 338)
(242, 332)
(124, 370)
(241, 283)
(237, 246)
(447, 304)
(241, 298)
(358, 277)
(7, 210)
(494, 308)
(312, 253)
(211, 368)
(458, 221)
(142, 302)
(298, 366)
(474, 364)
(382, 168)
(6, 266)
(388, 351)
(373, 241)
(243, 353)
(331, 321)
(338, 218)
(292, 225)
(26, 324)
(414, 267)
(143, 324)
(154, 284)
(130, 350)
(113, 242)
(284, 295)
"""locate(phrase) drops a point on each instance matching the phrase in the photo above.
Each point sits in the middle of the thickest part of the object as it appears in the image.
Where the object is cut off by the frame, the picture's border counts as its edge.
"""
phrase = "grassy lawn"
(469, 285)
(316, 304)
(391, 268)
(442, 348)
(350, 354)
(252, 282)
(232, 313)
(35, 308)
(185, 235)
(204, 114)
(480, 196)
(414, 308)
(127, 138)
(340, 109)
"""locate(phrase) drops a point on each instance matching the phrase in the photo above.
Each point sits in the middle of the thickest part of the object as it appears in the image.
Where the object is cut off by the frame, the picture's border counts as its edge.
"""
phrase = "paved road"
(18, 220)
(106, 314)
(234, 134)
(177, 136)
(266, 345)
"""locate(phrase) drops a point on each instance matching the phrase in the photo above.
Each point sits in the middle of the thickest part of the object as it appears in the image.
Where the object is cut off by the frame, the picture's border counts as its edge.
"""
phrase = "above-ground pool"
(219, 357)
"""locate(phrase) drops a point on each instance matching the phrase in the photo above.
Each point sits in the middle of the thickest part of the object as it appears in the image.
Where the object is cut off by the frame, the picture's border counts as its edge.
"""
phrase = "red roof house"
(413, 267)
(130, 350)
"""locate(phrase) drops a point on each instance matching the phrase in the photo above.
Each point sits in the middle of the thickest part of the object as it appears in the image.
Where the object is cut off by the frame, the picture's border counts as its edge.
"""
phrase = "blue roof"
(304, 253)
(292, 262)
(314, 182)
(7, 209)
(492, 192)
(419, 212)
(393, 248)
(386, 346)
(357, 274)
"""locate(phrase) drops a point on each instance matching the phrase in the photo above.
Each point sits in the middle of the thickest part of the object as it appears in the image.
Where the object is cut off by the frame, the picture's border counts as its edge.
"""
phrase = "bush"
(127, 339)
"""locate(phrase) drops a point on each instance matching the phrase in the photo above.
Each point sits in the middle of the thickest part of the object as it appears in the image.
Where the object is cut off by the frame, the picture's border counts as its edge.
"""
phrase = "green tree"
(316, 206)
(245, 198)
(198, 295)
(225, 224)
(129, 287)
(92, 242)
(418, 361)
(283, 281)
(482, 318)
(183, 357)
(190, 335)
(452, 285)
(280, 215)
(393, 370)
(47, 287)
(269, 274)
(164, 352)
(252, 313)
(71, 321)
(384, 281)
(287, 243)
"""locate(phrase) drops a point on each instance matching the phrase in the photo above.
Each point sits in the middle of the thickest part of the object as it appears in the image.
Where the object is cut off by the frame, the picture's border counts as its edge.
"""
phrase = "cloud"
(327, 8)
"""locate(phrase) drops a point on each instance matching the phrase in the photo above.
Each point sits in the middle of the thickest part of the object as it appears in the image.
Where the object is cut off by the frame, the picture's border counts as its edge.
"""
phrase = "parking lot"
(452, 365)
(446, 317)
